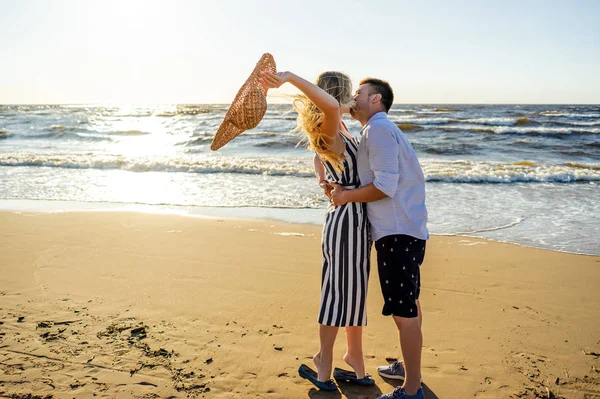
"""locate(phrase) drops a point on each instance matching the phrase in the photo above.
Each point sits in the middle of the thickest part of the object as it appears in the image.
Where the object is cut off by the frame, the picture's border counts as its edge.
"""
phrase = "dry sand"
(125, 305)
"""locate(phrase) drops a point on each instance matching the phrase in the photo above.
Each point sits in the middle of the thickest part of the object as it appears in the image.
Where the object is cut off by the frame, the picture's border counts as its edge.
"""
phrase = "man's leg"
(399, 258)
(411, 343)
(396, 370)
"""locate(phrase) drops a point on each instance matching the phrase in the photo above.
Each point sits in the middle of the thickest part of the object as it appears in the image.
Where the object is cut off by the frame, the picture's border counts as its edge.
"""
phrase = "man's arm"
(368, 193)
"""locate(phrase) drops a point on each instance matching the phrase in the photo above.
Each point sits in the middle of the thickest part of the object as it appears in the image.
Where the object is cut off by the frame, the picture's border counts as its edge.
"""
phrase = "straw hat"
(248, 107)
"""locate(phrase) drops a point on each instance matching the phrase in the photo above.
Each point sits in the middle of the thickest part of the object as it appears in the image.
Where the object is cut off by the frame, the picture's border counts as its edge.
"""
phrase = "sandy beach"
(132, 305)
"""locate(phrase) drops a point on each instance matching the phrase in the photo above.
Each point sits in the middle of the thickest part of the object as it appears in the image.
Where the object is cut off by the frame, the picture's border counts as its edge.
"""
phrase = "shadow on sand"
(429, 394)
(351, 391)
(346, 391)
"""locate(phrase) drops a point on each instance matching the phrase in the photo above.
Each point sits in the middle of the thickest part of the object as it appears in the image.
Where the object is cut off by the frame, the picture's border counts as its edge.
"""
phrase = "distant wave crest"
(477, 172)
(505, 173)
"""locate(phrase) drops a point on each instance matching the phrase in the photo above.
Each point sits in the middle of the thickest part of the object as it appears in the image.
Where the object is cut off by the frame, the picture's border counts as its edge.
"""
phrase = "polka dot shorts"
(399, 259)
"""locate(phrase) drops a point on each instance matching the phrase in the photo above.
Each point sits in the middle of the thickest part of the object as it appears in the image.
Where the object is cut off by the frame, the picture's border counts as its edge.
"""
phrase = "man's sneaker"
(400, 393)
(394, 371)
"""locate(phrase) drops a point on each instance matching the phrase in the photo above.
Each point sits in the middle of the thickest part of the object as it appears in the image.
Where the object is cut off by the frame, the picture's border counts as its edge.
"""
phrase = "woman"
(345, 242)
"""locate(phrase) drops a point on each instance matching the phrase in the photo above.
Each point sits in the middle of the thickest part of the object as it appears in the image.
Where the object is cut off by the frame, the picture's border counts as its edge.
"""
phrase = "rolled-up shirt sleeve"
(384, 159)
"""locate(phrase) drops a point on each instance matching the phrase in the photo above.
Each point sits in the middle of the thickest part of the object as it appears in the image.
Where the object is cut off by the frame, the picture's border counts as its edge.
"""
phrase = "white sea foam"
(571, 114)
(460, 171)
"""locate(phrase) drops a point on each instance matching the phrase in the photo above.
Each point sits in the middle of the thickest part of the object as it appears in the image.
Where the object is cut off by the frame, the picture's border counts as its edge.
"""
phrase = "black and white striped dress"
(346, 251)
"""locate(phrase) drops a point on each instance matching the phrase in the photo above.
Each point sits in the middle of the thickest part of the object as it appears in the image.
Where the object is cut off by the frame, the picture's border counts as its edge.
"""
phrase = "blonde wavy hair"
(310, 118)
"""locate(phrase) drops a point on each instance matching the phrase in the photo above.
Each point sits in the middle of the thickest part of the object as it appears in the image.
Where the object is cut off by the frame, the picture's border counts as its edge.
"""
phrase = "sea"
(524, 174)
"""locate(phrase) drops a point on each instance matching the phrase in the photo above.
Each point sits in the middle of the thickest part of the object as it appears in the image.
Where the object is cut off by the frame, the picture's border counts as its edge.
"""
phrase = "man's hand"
(338, 195)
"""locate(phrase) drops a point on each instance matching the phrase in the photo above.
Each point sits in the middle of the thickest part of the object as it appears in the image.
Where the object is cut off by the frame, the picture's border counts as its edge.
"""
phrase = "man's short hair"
(381, 87)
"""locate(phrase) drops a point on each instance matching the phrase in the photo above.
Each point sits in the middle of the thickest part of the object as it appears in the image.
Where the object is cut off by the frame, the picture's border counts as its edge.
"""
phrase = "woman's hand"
(324, 184)
(274, 80)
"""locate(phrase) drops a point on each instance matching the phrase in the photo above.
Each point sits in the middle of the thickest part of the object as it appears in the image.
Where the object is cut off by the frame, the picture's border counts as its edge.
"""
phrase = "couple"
(373, 182)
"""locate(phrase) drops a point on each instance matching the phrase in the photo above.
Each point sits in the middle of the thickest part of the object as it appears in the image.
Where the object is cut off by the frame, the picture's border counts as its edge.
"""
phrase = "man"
(393, 186)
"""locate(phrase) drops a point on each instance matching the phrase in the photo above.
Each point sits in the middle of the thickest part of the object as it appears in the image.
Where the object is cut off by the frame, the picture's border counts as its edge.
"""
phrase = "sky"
(201, 51)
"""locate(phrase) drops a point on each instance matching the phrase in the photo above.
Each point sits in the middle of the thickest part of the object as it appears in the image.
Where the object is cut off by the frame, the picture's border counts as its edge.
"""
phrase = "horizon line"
(285, 103)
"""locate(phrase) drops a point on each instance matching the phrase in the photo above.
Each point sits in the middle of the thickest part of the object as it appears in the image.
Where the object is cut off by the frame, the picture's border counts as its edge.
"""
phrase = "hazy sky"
(200, 51)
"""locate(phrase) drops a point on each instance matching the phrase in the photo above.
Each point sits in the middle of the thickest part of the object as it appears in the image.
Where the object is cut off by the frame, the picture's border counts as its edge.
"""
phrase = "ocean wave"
(573, 152)
(579, 165)
(493, 121)
(253, 166)
(525, 130)
(263, 134)
(184, 111)
(424, 120)
(435, 170)
(207, 137)
(525, 122)
(531, 143)
(494, 228)
(198, 141)
(66, 134)
(119, 111)
(287, 142)
(571, 114)
(74, 133)
(576, 123)
(280, 117)
(132, 132)
(409, 127)
(22, 107)
(124, 114)
(487, 123)
(448, 148)
(437, 110)
(401, 111)
(507, 173)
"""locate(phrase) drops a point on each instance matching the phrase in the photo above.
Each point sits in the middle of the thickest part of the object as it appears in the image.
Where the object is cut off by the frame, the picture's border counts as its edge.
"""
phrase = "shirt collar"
(379, 115)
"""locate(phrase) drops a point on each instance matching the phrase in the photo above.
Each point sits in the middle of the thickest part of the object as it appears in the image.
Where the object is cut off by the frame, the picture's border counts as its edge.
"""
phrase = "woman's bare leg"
(324, 358)
(354, 354)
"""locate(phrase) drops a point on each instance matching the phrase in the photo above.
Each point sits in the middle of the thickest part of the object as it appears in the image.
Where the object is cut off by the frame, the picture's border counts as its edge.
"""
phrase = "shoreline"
(310, 216)
(125, 304)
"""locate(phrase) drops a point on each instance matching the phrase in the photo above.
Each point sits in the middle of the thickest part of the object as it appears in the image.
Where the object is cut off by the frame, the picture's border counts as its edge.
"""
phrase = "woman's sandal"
(350, 376)
(309, 374)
